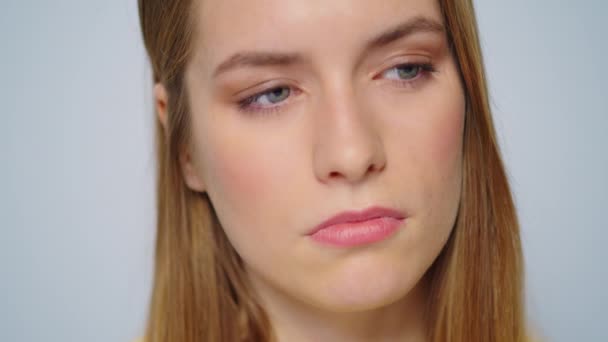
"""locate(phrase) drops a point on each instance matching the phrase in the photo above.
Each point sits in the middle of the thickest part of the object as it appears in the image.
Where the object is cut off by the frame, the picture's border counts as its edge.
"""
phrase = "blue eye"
(267, 98)
(407, 72)
(278, 94)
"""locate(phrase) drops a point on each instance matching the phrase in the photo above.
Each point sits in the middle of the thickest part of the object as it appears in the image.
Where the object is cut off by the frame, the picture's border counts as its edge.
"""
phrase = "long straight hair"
(200, 292)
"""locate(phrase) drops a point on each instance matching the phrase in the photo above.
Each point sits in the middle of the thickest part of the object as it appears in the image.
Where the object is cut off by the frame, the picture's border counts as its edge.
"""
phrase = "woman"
(328, 171)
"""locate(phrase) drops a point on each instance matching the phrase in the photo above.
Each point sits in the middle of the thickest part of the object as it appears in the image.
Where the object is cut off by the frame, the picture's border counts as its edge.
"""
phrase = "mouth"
(354, 228)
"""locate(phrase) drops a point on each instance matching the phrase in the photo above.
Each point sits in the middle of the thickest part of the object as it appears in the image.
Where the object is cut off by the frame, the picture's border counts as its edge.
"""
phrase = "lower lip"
(357, 233)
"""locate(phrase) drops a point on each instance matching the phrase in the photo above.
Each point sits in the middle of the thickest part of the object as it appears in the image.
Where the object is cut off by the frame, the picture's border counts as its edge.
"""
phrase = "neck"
(295, 321)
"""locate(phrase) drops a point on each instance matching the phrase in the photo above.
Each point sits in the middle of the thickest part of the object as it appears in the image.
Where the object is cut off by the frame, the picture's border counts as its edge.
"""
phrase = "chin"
(361, 289)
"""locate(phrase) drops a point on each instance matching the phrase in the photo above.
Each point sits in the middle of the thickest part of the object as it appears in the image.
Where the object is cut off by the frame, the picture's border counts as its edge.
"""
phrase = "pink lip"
(353, 228)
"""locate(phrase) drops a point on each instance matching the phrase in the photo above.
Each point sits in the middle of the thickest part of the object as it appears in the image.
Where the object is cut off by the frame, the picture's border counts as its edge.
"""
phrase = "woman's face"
(304, 109)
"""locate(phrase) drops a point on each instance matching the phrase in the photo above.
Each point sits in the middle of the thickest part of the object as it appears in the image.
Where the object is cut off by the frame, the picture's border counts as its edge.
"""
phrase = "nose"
(348, 147)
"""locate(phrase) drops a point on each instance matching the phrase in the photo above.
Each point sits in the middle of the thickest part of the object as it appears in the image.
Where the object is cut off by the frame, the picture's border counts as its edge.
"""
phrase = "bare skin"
(304, 109)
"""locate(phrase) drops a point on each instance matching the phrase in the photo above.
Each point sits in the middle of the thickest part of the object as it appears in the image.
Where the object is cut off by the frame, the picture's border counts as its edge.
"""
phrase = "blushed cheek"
(246, 180)
(446, 160)
(436, 151)
(236, 180)
(447, 138)
(445, 134)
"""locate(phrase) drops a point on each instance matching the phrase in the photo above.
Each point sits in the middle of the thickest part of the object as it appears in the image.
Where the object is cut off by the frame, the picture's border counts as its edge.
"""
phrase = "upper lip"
(359, 216)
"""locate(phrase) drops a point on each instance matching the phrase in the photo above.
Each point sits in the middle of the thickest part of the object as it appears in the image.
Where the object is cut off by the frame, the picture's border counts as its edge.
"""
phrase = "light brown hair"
(200, 293)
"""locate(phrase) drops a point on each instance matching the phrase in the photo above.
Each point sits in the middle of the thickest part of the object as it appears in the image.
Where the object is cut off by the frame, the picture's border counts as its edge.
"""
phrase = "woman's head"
(275, 116)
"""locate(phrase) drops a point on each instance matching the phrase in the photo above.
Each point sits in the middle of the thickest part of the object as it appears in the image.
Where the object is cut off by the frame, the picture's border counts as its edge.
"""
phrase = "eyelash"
(246, 105)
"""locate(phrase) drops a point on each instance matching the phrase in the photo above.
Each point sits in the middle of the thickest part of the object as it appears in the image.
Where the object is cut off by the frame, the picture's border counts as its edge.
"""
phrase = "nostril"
(334, 174)
(375, 168)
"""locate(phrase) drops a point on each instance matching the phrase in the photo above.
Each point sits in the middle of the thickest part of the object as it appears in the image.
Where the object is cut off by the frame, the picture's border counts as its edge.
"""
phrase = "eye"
(267, 98)
(407, 72)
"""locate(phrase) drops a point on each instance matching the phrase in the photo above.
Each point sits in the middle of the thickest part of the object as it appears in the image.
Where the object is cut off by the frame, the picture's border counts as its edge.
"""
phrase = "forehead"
(226, 26)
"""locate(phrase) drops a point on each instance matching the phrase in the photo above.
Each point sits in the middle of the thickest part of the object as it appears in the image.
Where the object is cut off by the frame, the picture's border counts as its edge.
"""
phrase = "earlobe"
(189, 172)
(160, 100)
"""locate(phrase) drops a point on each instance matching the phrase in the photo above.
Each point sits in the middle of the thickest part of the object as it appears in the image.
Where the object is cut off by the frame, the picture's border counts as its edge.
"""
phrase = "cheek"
(441, 169)
(438, 135)
(444, 142)
(427, 148)
(236, 175)
(237, 178)
(442, 173)
(245, 176)
(441, 158)
(426, 145)
(440, 132)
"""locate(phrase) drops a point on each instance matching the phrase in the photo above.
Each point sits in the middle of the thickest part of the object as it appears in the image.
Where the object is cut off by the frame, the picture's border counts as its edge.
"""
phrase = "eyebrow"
(257, 59)
(260, 59)
(415, 25)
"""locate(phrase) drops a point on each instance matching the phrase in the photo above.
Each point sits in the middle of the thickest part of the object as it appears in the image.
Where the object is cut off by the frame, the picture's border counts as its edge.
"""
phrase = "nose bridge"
(347, 143)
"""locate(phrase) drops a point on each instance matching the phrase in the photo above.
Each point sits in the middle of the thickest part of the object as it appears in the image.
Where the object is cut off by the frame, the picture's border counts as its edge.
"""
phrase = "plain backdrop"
(77, 165)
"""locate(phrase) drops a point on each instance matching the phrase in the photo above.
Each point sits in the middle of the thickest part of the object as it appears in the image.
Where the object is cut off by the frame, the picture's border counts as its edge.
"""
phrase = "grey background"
(76, 175)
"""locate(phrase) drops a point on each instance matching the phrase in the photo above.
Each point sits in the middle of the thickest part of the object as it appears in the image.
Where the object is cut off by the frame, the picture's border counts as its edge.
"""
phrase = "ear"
(190, 171)
(187, 165)
(160, 101)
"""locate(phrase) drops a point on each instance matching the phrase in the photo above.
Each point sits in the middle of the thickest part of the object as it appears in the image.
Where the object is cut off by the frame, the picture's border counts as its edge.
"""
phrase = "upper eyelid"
(391, 62)
(264, 87)
(388, 66)
(249, 100)
(398, 60)
(423, 66)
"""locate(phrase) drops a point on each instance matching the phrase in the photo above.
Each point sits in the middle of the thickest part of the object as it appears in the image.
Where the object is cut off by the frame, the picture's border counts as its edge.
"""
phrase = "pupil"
(278, 94)
(408, 71)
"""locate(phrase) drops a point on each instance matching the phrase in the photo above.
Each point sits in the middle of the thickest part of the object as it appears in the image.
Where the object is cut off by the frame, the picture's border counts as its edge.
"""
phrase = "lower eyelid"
(248, 103)
(267, 91)
(425, 73)
(423, 76)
